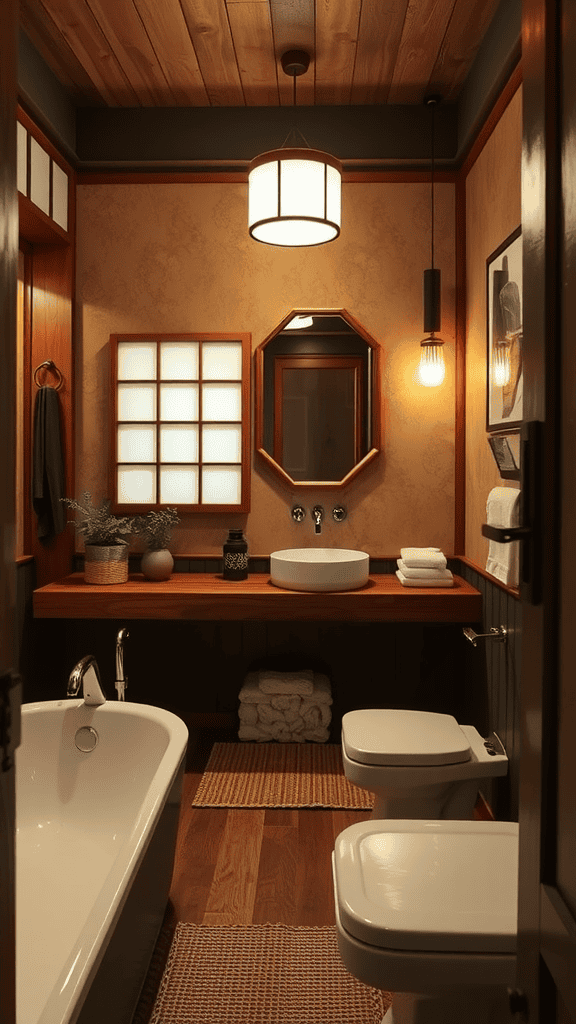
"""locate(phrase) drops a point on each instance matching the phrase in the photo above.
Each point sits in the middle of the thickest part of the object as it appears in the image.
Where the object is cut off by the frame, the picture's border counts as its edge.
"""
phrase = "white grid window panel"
(179, 421)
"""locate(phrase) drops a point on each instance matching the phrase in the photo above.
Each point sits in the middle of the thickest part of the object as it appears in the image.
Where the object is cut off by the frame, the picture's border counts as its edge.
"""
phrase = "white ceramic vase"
(157, 565)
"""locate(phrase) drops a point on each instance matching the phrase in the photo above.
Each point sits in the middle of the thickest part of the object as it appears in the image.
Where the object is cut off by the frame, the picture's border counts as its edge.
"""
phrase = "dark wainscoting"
(196, 669)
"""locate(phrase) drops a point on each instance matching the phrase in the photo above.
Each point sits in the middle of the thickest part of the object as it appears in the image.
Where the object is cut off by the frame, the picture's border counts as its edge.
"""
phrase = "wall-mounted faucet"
(85, 676)
(121, 680)
(317, 516)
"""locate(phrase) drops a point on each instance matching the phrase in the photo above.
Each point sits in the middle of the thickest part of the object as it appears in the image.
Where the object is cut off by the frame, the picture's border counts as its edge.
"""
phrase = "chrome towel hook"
(499, 633)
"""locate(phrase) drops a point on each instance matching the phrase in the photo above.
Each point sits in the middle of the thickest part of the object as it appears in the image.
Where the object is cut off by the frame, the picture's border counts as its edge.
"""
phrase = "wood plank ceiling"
(226, 53)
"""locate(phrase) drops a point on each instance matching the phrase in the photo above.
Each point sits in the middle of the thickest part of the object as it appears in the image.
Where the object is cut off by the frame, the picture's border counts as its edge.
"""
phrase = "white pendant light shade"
(294, 197)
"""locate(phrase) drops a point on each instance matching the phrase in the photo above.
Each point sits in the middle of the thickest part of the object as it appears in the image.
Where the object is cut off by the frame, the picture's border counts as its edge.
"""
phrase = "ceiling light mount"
(295, 63)
(294, 192)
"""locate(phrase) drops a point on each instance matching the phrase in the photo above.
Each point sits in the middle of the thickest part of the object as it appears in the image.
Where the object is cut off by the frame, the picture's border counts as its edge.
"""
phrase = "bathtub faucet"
(85, 676)
(121, 680)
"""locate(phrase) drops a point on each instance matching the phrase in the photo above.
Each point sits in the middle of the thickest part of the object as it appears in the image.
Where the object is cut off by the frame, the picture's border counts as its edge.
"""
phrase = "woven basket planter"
(104, 565)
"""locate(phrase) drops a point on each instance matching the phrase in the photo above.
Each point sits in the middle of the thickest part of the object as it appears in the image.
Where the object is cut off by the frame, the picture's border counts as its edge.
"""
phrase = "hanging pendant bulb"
(431, 369)
(294, 192)
(501, 366)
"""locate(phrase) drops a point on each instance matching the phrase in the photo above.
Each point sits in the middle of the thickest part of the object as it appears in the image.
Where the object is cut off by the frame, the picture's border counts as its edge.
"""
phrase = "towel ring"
(49, 364)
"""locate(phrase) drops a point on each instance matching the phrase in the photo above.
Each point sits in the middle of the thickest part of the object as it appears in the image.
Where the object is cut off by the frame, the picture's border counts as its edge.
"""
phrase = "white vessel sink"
(319, 569)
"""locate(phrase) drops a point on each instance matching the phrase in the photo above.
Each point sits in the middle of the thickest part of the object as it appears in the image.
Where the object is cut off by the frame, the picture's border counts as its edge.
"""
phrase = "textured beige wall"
(177, 257)
(493, 210)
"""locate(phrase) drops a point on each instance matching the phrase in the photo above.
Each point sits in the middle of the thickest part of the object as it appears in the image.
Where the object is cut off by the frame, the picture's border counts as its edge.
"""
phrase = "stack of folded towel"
(290, 707)
(423, 567)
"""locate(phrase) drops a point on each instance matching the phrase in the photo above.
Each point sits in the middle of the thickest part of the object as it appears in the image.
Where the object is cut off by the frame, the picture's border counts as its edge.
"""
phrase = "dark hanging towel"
(48, 465)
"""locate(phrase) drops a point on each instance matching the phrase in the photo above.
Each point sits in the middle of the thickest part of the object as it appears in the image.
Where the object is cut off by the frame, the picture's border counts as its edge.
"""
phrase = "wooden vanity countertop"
(208, 596)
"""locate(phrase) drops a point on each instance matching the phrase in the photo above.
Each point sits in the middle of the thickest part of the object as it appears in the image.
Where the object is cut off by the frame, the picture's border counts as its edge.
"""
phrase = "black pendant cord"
(433, 105)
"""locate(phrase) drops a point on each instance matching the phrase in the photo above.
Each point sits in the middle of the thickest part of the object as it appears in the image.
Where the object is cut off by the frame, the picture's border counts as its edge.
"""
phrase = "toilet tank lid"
(448, 886)
(390, 737)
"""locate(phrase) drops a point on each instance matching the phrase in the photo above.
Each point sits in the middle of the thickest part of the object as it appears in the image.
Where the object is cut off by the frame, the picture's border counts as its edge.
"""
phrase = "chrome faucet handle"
(86, 674)
(121, 682)
(298, 513)
(318, 516)
(339, 514)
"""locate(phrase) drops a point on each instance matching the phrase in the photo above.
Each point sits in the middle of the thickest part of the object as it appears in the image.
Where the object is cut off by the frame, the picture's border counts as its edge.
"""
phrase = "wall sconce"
(294, 193)
(431, 369)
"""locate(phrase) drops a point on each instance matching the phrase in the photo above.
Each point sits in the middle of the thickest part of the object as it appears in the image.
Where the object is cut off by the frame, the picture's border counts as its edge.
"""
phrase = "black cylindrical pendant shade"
(431, 301)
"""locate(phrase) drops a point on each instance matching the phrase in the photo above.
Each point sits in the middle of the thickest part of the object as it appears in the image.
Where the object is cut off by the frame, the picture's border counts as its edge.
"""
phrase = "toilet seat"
(429, 885)
(401, 738)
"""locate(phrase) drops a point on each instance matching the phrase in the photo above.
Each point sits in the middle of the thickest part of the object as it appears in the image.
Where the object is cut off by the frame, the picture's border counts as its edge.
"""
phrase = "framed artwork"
(504, 385)
(506, 452)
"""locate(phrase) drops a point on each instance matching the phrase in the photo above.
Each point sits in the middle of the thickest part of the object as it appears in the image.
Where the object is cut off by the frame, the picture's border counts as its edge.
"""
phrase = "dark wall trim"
(46, 100)
(232, 136)
(495, 61)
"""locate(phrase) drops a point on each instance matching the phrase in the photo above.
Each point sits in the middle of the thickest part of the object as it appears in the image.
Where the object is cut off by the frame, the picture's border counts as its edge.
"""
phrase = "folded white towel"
(423, 558)
(252, 732)
(502, 510)
(422, 574)
(287, 682)
(409, 581)
(251, 692)
(248, 714)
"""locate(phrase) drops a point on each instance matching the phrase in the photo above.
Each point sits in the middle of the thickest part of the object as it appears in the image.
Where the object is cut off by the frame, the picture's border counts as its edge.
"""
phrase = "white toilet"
(427, 910)
(418, 764)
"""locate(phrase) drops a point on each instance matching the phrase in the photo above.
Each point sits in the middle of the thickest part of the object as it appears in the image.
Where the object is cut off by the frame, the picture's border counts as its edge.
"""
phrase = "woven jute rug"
(261, 974)
(278, 775)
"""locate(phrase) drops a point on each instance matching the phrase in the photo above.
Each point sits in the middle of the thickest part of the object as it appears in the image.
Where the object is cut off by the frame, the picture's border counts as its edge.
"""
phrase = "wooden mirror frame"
(259, 355)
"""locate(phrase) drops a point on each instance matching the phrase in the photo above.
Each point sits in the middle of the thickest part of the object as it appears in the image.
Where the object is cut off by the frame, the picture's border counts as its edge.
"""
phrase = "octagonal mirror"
(318, 398)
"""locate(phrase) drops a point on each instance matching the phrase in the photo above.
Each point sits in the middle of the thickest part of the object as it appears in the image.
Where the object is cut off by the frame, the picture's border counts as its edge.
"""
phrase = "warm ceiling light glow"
(294, 197)
(431, 369)
(294, 193)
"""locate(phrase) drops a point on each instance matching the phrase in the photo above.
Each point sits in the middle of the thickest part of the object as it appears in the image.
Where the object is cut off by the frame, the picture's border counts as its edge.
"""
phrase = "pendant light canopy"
(294, 193)
(431, 369)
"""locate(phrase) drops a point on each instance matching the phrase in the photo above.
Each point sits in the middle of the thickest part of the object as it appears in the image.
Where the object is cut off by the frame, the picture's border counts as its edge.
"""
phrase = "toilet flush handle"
(499, 633)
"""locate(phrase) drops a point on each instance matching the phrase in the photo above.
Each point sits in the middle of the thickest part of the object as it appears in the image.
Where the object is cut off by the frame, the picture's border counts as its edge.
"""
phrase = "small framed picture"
(506, 452)
(504, 334)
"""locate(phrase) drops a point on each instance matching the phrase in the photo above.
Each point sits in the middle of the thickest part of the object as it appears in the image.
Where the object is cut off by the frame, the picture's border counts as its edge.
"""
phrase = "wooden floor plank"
(233, 890)
(315, 900)
(276, 888)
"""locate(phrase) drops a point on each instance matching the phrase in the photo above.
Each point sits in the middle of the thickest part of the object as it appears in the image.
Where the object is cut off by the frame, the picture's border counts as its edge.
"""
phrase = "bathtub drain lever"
(499, 633)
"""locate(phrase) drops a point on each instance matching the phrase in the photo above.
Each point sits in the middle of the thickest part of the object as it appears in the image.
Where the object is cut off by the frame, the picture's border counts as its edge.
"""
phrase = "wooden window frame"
(133, 508)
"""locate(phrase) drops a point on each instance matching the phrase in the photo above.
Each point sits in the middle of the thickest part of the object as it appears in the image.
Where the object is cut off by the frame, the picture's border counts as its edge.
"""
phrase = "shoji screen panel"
(181, 427)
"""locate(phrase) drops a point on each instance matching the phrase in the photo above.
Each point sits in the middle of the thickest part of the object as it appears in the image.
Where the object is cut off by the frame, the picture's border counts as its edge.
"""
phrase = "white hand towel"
(248, 714)
(423, 558)
(409, 581)
(422, 574)
(287, 682)
(502, 510)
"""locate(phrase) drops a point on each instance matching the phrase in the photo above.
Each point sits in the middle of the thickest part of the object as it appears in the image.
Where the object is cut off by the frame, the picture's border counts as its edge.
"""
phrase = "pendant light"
(294, 192)
(431, 369)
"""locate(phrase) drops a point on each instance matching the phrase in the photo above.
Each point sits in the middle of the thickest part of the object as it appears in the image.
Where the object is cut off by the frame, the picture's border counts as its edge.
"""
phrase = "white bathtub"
(96, 834)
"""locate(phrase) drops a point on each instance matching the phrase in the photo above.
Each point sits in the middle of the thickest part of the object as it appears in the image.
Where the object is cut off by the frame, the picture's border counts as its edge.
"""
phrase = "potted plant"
(105, 539)
(156, 530)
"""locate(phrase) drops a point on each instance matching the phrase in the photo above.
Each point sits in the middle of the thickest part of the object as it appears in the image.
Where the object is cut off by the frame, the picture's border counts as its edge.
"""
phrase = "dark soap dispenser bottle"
(235, 556)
